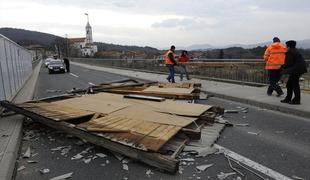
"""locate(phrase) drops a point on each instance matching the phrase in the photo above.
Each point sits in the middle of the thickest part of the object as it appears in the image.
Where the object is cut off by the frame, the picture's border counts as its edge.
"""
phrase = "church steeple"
(89, 36)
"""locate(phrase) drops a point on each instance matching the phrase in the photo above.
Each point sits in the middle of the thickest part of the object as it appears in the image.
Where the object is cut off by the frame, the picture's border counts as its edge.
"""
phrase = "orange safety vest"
(275, 56)
(168, 60)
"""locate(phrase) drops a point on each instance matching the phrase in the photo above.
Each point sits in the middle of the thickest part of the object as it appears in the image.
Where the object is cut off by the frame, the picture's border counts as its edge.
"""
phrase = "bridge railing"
(249, 72)
(15, 67)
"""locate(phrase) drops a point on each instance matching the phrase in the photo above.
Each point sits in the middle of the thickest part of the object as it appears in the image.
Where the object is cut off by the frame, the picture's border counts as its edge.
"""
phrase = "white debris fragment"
(65, 176)
(222, 175)
(87, 160)
(204, 167)
(58, 148)
(102, 164)
(21, 168)
(101, 155)
(181, 170)
(242, 125)
(188, 159)
(198, 177)
(149, 173)
(254, 133)
(238, 178)
(77, 157)
(45, 171)
(35, 154)
(183, 163)
(27, 154)
(297, 178)
(107, 162)
(126, 160)
(203, 152)
(32, 162)
(65, 150)
(125, 167)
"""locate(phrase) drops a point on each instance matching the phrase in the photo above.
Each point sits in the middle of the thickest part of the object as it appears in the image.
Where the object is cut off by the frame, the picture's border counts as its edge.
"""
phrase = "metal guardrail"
(15, 67)
(250, 72)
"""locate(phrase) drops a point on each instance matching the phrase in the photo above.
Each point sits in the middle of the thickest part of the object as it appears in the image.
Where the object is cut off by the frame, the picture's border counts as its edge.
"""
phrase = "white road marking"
(92, 84)
(254, 165)
(74, 75)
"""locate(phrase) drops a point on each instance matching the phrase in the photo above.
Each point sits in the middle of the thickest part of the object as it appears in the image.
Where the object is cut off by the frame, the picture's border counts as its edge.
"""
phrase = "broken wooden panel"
(180, 91)
(139, 133)
(55, 112)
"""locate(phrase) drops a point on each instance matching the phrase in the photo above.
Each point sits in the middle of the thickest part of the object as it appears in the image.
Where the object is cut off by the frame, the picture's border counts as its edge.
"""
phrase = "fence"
(250, 72)
(15, 67)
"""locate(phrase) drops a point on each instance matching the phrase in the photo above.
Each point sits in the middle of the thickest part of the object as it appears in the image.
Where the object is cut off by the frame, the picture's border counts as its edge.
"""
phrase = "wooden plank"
(179, 91)
(157, 160)
(107, 130)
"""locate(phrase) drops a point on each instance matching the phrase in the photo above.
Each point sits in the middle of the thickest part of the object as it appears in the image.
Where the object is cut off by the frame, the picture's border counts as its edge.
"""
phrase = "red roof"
(74, 40)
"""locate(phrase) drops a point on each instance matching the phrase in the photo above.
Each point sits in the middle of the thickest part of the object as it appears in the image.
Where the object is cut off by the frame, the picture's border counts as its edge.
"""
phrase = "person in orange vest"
(274, 58)
(170, 63)
(183, 59)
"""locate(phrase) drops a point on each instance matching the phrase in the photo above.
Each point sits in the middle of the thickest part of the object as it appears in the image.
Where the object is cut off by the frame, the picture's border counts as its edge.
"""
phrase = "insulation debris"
(45, 171)
(125, 167)
(203, 167)
(222, 175)
(64, 176)
(27, 154)
(21, 168)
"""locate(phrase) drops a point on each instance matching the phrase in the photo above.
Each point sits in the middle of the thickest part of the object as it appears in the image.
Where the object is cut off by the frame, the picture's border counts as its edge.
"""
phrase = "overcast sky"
(160, 23)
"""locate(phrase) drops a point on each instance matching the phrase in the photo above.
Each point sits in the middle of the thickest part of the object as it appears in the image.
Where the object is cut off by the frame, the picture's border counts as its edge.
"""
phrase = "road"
(282, 142)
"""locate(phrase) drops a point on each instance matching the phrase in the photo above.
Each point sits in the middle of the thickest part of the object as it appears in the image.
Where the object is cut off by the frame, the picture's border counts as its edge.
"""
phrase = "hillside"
(25, 37)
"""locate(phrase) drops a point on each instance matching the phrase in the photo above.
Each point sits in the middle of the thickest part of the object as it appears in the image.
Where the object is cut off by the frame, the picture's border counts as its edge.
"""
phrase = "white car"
(47, 61)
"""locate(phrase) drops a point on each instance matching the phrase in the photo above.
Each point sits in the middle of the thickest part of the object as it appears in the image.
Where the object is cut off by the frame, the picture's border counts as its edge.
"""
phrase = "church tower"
(89, 36)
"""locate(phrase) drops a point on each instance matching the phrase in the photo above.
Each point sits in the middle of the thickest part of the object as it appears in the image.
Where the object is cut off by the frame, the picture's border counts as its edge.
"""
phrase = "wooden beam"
(163, 162)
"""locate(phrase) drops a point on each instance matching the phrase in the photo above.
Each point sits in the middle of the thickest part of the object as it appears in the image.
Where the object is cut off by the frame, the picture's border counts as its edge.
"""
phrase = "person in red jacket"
(274, 58)
(183, 59)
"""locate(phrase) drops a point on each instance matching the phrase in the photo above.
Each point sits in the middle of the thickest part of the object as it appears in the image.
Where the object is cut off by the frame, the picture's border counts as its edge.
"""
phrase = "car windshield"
(55, 62)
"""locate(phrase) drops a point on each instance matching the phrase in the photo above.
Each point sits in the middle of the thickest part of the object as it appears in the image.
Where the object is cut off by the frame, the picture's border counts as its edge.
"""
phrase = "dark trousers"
(183, 71)
(68, 67)
(170, 78)
(274, 77)
(292, 85)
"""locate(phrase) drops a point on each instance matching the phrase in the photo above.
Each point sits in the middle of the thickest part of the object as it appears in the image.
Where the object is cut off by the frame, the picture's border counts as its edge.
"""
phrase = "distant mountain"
(26, 37)
(305, 44)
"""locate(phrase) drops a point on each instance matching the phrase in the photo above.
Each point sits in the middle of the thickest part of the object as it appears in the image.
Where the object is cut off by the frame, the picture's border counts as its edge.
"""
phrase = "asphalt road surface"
(277, 141)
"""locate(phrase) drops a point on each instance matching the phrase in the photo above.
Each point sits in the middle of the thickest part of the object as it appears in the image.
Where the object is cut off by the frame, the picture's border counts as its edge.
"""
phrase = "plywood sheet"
(55, 112)
(89, 103)
(178, 108)
(140, 111)
(179, 91)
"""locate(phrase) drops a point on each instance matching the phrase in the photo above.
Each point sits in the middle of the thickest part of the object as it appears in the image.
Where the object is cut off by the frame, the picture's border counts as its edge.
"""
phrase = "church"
(85, 44)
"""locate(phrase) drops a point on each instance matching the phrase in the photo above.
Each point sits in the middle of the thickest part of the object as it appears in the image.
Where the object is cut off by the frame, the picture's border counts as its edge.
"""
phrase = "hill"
(26, 37)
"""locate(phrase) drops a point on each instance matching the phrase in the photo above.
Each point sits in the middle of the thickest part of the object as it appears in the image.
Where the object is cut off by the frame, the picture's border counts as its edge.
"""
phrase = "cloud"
(186, 24)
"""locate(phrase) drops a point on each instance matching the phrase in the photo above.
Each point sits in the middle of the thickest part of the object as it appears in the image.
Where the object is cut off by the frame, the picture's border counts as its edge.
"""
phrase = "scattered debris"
(222, 175)
(125, 167)
(27, 154)
(21, 168)
(107, 162)
(30, 162)
(125, 160)
(203, 167)
(297, 178)
(77, 157)
(64, 176)
(101, 155)
(44, 171)
(188, 159)
(242, 125)
(87, 160)
(254, 133)
(35, 154)
(149, 173)
(231, 111)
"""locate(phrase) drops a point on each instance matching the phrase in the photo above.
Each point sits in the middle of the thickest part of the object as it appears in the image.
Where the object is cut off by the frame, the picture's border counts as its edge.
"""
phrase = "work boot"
(294, 102)
(280, 94)
(168, 79)
(285, 101)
